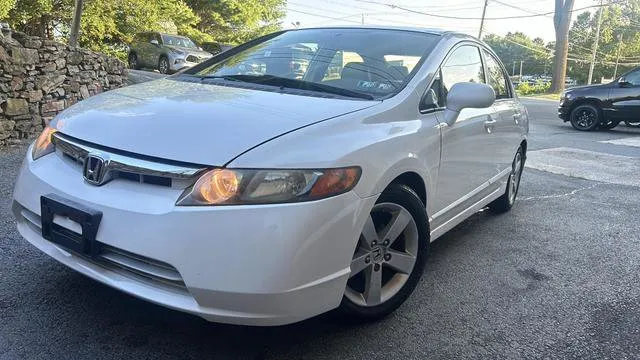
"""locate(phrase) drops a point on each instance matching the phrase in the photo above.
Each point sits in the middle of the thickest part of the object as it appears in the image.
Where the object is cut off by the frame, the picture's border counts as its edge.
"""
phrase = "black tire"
(406, 198)
(632, 124)
(506, 201)
(609, 124)
(585, 117)
(133, 61)
(163, 65)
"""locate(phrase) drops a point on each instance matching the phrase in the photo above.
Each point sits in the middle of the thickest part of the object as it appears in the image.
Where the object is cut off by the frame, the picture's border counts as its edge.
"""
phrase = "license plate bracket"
(89, 219)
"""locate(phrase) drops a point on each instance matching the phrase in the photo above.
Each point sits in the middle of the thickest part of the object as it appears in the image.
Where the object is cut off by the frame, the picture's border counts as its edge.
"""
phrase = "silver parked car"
(165, 53)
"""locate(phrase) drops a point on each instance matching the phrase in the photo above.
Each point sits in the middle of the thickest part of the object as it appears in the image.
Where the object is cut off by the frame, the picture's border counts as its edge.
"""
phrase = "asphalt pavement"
(557, 277)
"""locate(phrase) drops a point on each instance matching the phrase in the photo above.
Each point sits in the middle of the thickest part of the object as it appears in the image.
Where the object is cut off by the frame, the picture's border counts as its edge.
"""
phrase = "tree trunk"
(75, 25)
(561, 22)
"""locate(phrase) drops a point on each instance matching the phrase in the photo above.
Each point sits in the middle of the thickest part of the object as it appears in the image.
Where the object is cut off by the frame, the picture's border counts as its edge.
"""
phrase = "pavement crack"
(556, 196)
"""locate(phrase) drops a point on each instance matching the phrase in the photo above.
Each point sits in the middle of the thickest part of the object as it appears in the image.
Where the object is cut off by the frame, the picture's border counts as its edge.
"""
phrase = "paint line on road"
(589, 165)
(630, 141)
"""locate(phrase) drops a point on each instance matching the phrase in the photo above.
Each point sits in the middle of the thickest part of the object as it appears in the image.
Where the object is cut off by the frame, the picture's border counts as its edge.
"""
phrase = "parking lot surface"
(557, 277)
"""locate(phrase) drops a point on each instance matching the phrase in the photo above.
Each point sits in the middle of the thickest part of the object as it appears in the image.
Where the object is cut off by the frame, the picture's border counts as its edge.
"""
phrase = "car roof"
(432, 31)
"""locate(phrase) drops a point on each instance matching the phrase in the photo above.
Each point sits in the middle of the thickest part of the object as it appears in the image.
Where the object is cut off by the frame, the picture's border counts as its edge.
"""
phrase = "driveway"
(557, 277)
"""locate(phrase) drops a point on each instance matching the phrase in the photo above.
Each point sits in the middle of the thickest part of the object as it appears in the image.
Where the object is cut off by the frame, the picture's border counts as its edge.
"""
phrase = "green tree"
(5, 7)
(619, 41)
(236, 21)
(39, 17)
(516, 47)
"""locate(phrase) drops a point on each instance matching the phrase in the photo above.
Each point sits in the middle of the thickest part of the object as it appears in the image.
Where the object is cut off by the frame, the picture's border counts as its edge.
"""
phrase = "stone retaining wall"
(40, 77)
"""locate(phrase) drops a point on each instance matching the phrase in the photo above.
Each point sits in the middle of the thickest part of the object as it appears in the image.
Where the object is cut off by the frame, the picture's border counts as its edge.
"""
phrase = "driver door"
(468, 159)
(625, 98)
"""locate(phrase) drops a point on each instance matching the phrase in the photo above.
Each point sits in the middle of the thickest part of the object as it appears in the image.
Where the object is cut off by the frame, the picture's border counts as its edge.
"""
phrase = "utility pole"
(595, 44)
(521, 61)
(615, 70)
(75, 26)
(484, 12)
(362, 18)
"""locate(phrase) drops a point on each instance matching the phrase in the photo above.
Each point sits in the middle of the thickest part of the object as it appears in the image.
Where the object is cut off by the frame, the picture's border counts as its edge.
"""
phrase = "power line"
(476, 18)
(515, 7)
(327, 17)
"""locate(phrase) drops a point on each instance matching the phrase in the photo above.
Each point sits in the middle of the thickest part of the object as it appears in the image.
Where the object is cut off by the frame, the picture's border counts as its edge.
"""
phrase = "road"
(557, 277)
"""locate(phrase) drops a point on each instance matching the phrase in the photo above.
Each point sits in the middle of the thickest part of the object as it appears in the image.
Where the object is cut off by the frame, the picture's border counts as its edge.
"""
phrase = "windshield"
(178, 41)
(372, 62)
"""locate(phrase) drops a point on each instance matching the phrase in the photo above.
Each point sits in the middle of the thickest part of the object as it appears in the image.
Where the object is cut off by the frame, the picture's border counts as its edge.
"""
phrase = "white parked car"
(263, 197)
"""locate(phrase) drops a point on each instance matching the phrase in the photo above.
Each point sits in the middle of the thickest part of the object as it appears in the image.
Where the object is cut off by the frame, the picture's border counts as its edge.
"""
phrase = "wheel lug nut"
(376, 267)
(387, 257)
(367, 260)
(386, 242)
(374, 243)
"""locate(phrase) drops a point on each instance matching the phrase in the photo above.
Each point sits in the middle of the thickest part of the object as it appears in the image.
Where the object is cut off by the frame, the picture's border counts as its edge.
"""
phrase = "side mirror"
(623, 82)
(155, 42)
(467, 95)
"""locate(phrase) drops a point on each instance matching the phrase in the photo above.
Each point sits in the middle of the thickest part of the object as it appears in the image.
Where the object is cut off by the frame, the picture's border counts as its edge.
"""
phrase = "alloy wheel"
(385, 256)
(164, 66)
(133, 62)
(585, 118)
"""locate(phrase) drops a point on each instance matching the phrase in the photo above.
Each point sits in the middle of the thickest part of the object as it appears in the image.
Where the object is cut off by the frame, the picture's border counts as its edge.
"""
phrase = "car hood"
(193, 122)
(586, 87)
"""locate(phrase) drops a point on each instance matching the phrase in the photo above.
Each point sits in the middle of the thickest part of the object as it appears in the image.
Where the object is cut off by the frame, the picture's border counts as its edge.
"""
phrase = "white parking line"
(590, 165)
(631, 141)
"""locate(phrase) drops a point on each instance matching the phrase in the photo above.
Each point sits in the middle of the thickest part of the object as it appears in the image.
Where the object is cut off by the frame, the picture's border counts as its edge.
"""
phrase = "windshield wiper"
(284, 82)
(223, 77)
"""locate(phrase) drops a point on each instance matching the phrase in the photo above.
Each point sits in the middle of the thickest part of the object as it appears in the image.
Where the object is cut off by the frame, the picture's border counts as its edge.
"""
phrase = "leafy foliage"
(236, 21)
(109, 25)
(516, 47)
(525, 88)
(619, 40)
(5, 7)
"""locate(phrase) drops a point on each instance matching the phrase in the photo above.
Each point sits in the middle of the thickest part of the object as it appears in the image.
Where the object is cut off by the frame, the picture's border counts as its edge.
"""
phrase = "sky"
(311, 13)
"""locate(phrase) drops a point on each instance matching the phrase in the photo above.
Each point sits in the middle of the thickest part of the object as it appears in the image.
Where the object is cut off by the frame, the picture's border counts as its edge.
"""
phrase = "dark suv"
(603, 106)
(164, 52)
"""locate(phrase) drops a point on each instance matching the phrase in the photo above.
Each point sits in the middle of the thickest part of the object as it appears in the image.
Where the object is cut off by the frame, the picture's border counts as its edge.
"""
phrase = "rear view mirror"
(467, 95)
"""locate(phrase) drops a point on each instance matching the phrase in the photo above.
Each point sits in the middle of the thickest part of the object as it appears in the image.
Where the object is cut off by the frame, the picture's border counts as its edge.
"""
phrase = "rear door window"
(496, 77)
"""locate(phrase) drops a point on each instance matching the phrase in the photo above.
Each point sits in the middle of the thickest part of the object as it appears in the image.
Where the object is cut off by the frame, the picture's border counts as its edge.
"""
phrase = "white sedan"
(248, 190)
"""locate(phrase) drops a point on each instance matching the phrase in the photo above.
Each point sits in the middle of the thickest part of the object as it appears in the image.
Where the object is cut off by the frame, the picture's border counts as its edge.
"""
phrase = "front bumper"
(251, 265)
(564, 113)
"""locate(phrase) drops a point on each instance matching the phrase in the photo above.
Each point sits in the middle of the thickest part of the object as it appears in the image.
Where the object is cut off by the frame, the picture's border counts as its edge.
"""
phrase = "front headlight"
(566, 96)
(244, 187)
(43, 144)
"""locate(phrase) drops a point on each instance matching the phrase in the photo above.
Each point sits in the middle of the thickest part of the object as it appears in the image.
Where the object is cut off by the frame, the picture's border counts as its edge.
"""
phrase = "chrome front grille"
(128, 167)
(154, 272)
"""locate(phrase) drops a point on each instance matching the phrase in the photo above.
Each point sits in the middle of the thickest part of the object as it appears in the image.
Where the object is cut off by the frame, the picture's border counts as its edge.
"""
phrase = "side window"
(156, 36)
(434, 97)
(633, 78)
(496, 78)
(464, 65)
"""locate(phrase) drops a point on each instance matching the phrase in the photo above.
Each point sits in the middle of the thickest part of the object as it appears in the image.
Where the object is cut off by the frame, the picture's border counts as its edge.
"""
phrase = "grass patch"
(548, 96)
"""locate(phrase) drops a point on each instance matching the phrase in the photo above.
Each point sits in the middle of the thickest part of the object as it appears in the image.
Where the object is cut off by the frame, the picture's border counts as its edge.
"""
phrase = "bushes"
(539, 88)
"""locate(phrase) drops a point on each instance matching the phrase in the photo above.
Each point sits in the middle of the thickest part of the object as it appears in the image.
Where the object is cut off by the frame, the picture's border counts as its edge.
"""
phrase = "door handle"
(516, 117)
(489, 125)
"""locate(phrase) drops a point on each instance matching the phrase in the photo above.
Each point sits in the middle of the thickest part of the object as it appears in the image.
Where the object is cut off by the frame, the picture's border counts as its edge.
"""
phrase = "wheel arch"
(587, 101)
(415, 182)
(410, 172)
